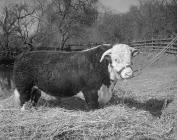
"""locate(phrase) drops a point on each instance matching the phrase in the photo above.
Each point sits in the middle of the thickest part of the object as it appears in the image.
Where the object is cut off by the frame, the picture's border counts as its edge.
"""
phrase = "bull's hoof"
(27, 106)
(93, 106)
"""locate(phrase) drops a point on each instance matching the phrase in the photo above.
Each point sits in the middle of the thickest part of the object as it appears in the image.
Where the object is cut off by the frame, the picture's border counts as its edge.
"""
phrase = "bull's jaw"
(113, 75)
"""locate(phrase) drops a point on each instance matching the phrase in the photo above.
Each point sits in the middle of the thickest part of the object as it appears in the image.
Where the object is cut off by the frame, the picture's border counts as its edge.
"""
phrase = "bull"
(64, 74)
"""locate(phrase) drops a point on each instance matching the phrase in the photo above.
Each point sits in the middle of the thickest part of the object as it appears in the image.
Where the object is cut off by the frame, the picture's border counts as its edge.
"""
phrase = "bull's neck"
(99, 52)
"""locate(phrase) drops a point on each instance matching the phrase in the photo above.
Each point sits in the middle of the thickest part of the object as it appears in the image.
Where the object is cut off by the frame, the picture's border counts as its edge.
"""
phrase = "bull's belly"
(59, 91)
(78, 95)
(104, 93)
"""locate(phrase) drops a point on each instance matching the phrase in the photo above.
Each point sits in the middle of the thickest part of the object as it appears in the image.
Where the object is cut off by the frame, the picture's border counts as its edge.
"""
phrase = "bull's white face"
(120, 66)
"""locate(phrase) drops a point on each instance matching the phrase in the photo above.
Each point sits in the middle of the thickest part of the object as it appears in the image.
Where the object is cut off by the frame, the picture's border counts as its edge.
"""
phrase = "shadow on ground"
(154, 106)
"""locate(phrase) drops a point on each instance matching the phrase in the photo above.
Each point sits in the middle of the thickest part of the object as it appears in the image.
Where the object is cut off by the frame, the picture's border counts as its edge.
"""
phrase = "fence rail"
(144, 45)
(155, 45)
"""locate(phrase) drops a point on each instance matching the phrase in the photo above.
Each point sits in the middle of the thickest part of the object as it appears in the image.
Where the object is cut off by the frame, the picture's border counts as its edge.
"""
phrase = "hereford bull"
(64, 74)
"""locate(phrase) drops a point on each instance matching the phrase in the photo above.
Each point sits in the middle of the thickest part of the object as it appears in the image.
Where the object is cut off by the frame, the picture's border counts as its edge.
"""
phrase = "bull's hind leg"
(91, 98)
(22, 96)
(35, 95)
(23, 93)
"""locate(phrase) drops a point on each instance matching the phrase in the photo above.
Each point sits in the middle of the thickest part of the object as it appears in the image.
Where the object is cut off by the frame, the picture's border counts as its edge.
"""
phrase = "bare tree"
(67, 18)
(152, 18)
(15, 22)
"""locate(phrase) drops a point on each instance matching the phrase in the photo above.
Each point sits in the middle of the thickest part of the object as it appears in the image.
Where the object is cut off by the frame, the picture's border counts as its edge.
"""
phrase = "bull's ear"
(134, 51)
(106, 54)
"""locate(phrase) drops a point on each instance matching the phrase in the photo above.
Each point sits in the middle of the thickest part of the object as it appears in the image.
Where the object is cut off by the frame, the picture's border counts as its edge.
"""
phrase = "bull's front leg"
(104, 95)
(91, 98)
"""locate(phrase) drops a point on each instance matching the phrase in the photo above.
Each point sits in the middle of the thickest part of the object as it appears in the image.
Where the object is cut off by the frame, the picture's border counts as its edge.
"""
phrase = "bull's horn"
(108, 52)
(134, 51)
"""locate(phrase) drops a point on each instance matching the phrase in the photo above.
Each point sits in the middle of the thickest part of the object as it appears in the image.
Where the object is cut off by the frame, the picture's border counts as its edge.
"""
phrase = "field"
(142, 108)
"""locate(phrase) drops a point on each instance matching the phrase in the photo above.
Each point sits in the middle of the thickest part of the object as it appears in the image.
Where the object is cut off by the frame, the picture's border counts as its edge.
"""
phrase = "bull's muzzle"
(126, 72)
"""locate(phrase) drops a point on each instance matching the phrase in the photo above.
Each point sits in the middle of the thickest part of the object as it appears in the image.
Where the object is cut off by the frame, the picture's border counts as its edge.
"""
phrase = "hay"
(111, 122)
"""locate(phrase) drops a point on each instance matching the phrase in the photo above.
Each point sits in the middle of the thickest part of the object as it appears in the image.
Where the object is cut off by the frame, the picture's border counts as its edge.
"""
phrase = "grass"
(127, 116)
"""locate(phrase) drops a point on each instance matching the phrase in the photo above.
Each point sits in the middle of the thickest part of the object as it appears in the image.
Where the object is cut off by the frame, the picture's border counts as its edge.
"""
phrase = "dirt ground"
(144, 107)
(155, 81)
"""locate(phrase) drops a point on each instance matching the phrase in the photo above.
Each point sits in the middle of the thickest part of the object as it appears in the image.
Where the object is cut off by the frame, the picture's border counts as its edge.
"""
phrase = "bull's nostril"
(128, 74)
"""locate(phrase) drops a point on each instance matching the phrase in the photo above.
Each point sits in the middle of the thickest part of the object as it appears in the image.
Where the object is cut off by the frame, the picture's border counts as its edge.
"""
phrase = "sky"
(119, 6)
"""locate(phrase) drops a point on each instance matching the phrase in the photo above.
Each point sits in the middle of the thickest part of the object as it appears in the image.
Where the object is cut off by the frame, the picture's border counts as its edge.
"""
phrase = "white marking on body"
(80, 95)
(23, 107)
(17, 96)
(104, 95)
(35, 87)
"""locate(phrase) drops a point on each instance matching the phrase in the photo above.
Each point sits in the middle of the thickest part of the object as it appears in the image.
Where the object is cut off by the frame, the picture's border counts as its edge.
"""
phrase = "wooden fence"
(144, 45)
(155, 45)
